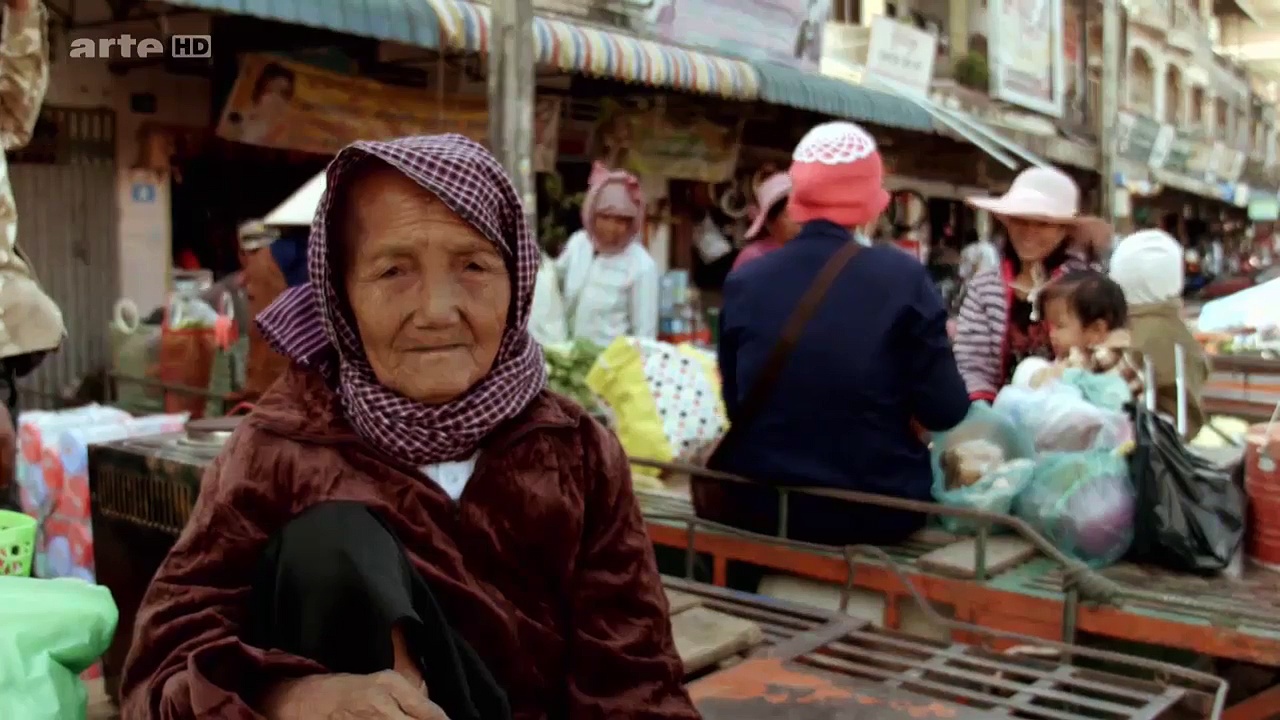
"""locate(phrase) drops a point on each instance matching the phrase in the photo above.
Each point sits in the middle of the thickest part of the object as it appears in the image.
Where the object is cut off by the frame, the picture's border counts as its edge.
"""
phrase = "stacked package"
(53, 478)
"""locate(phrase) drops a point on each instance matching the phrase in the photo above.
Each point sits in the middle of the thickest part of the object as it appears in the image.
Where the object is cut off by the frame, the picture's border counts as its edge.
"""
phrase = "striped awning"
(410, 22)
(785, 85)
(605, 53)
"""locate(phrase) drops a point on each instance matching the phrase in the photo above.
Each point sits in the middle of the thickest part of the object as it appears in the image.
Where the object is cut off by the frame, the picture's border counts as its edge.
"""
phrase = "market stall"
(745, 656)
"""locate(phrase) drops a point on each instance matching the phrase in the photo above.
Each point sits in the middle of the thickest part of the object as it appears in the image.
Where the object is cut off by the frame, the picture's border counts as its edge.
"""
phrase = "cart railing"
(1067, 652)
(1080, 582)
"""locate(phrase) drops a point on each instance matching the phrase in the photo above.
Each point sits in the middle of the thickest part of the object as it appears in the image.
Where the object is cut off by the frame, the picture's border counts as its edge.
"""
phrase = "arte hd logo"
(127, 46)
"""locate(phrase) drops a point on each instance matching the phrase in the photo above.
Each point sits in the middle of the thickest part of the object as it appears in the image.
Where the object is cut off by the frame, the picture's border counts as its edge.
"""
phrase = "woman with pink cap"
(610, 281)
(771, 226)
(999, 325)
(829, 349)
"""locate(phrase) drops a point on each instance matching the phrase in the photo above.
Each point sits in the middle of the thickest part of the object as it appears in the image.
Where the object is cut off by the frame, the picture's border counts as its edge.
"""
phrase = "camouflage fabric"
(29, 320)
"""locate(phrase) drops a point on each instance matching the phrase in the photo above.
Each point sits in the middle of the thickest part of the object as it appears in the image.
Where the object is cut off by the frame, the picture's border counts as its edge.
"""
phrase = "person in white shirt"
(977, 256)
(610, 281)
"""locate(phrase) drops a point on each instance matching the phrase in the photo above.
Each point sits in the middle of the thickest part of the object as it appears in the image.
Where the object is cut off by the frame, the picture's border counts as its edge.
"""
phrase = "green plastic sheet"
(51, 631)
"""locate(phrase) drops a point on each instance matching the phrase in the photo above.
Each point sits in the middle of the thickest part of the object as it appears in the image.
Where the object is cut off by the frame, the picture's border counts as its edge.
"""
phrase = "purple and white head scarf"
(312, 324)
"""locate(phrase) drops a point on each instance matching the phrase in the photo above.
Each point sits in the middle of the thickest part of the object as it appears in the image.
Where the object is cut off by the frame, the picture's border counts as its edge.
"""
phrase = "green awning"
(784, 85)
(411, 22)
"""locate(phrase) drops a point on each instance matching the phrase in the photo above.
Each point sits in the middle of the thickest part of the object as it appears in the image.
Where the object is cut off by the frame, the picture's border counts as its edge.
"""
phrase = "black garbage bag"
(1190, 511)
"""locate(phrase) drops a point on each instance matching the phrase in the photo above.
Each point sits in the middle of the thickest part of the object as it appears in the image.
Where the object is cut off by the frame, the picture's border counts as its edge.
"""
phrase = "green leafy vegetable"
(567, 368)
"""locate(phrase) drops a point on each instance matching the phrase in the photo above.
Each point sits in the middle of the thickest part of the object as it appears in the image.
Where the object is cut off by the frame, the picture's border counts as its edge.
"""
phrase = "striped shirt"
(982, 329)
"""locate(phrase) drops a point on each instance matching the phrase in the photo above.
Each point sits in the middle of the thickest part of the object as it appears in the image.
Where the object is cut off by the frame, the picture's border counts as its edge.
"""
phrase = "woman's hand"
(382, 696)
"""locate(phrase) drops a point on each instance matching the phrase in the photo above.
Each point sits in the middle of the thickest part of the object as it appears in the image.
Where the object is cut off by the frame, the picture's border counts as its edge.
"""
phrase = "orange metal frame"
(973, 602)
(985, 607)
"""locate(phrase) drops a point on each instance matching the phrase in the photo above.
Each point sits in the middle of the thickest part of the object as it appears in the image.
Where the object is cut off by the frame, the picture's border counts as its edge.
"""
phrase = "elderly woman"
(610, 280)
(999, 324)
(829, 349)
(409, 525)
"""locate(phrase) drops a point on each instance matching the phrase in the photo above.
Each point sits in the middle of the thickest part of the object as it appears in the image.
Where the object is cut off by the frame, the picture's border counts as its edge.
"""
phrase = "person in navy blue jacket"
(874, 357)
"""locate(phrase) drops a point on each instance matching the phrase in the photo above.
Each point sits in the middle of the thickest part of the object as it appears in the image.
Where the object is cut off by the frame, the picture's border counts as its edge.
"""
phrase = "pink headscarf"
(613, 192)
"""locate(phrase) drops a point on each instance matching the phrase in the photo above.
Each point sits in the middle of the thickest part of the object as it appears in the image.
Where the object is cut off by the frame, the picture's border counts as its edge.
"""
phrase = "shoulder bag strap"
(791, 331)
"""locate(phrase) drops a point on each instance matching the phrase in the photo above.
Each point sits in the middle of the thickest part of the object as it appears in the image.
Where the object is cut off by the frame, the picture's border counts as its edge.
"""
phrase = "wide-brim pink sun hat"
(772, 191)
(837, 175)
(1039, 193)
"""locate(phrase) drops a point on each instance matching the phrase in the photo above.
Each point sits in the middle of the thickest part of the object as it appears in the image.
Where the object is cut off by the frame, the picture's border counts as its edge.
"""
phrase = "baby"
(1087, 318)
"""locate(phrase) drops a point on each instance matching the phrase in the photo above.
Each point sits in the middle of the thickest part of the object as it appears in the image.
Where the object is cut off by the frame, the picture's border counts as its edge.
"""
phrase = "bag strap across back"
(760, 390)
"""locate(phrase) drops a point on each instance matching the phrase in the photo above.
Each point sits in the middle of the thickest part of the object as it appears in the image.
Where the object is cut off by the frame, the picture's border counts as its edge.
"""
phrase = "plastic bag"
(963, 456)
(1191, 512)
(548, 322)
(994, 492)
(1106, 390)
(50, 632)
(710, 242)
(1083, 503)
(1058, 418)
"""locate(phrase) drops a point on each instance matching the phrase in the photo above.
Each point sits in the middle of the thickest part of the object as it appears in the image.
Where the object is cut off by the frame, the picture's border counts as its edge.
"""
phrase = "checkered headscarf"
(312, 324)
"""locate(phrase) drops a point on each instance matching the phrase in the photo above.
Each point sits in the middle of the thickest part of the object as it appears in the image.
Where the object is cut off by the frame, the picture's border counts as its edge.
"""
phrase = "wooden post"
(511, 96)
(1111, 64)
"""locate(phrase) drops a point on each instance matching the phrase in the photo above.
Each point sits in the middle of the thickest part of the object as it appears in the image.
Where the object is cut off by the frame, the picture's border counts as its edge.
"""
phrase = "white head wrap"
(1148, 267)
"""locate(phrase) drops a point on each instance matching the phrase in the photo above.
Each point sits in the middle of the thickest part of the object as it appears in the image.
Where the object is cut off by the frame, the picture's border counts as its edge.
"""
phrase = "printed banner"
(782, 31)
(292, 106)
(669, 139)
(1027, 54)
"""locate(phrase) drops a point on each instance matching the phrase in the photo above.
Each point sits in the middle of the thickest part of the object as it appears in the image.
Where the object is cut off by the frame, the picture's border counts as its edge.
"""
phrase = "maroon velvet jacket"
(544, 565)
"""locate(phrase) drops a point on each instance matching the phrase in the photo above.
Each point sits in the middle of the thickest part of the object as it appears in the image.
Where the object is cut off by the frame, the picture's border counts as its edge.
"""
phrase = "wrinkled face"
(611, 233)
(1067, 332)
(430, 294)
(1034, 240)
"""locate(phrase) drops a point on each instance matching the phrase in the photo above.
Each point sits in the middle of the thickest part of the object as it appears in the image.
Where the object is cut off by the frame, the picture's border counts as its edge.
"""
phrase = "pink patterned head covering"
(311, 324)
(837, 175)
(613, 192)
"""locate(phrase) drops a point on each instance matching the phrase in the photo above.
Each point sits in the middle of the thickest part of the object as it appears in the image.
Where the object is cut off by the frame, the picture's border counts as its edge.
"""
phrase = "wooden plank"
(705, 637)
(681, 601)
(959, 559)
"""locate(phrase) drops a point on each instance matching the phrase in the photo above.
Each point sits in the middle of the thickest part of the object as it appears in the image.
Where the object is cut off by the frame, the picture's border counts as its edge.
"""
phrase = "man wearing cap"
(772, 226)
(273, 261)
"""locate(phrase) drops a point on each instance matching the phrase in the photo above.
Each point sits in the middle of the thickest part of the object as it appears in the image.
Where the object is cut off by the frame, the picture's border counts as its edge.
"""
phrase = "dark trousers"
(333, 584)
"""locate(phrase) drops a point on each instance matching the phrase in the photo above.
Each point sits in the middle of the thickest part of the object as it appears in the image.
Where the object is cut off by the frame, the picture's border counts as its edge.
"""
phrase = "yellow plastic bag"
(665, 398)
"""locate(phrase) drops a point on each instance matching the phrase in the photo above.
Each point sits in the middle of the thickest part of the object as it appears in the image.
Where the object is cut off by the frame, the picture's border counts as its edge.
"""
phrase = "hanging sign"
(1027, 57)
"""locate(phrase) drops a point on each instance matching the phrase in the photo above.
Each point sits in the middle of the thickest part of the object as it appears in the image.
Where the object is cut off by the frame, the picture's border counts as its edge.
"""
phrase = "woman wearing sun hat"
(999, 325)
(872, 355)
(772, 225)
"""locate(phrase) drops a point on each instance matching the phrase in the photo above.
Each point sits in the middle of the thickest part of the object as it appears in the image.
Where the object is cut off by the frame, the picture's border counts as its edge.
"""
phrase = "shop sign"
(1228, 163)
(143, 193)
(669, 138)
(292, 106)
(1028, 61)
(781, 31)
(1142, 139)
(1179, 154)
(1201, 162)
(1264, 209)
(901, 56)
